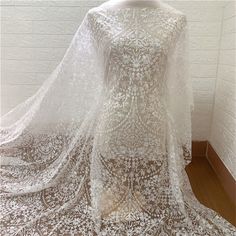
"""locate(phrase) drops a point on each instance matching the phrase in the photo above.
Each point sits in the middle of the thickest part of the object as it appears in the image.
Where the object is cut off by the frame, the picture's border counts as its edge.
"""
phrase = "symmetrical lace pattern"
(101, 148)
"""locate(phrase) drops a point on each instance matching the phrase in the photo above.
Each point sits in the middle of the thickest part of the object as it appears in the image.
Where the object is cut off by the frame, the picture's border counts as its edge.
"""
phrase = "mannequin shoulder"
(94, 11)
(178, 15)
(94, 14)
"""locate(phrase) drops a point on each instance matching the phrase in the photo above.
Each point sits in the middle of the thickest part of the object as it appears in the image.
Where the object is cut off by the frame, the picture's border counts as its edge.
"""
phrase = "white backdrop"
(35, 35)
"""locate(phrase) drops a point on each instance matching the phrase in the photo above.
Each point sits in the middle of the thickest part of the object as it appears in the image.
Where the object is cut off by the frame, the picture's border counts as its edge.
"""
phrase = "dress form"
(98, 150)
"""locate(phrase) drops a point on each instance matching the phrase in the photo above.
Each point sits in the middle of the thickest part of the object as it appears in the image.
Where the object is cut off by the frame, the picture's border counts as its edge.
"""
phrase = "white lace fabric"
(101, 148)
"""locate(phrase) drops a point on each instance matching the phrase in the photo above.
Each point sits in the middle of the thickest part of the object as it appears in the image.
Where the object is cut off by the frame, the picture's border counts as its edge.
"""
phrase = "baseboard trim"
(199, 148)
(205, 149)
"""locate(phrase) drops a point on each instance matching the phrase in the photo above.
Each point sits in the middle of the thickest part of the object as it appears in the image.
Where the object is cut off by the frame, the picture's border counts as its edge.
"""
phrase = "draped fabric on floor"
(101, 148)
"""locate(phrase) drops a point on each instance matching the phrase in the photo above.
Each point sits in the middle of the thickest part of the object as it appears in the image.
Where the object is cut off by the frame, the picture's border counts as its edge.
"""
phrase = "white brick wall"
(223, 130)
(35, 35)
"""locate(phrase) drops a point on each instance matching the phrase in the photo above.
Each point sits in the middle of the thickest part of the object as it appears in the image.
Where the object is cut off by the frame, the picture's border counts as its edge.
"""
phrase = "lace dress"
(101, 148)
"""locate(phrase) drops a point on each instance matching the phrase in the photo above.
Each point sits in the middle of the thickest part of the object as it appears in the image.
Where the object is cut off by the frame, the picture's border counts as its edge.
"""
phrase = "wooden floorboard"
(208, 189)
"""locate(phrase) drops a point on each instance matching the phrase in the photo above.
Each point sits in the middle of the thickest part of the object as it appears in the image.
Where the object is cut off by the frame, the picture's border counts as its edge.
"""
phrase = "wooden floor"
(208, 189)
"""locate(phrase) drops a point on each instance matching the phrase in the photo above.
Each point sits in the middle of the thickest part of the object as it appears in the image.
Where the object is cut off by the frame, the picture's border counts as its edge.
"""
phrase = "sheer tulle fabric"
(101, 148)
